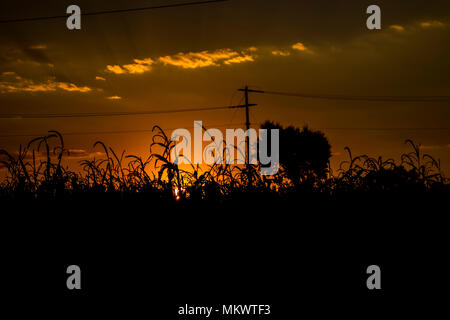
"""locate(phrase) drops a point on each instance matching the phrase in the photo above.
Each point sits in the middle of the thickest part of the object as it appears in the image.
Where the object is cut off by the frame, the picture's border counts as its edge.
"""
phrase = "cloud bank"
(11, 82)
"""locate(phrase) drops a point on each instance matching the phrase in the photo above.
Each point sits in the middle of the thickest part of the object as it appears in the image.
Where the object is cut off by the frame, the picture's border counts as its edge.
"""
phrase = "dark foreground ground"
(306, 256)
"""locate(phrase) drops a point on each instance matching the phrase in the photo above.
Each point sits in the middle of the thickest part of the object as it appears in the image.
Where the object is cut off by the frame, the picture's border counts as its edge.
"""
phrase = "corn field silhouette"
(36, 172)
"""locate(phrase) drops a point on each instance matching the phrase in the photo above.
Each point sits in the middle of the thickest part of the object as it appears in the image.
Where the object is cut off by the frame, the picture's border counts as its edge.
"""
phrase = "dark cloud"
(37, 54)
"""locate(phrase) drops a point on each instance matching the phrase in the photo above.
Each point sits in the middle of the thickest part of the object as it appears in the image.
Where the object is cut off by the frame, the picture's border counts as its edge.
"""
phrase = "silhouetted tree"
(304, 153)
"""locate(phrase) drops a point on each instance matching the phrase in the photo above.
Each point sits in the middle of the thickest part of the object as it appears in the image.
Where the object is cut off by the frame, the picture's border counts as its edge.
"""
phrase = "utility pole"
(247, 123)
(247, 140)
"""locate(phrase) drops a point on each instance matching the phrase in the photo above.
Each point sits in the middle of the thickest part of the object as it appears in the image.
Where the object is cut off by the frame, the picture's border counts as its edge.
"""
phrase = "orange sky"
(199, 56)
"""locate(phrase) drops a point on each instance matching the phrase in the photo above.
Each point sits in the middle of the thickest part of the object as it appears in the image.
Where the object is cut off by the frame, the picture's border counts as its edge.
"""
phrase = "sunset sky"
(199, 56)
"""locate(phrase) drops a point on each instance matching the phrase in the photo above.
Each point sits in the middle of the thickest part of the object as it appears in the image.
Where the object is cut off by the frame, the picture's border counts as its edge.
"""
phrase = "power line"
(387, 129)
(174, 5)
(108, 114)
(378, 128)
(358, 98)
(384, 129)
(79, 133)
